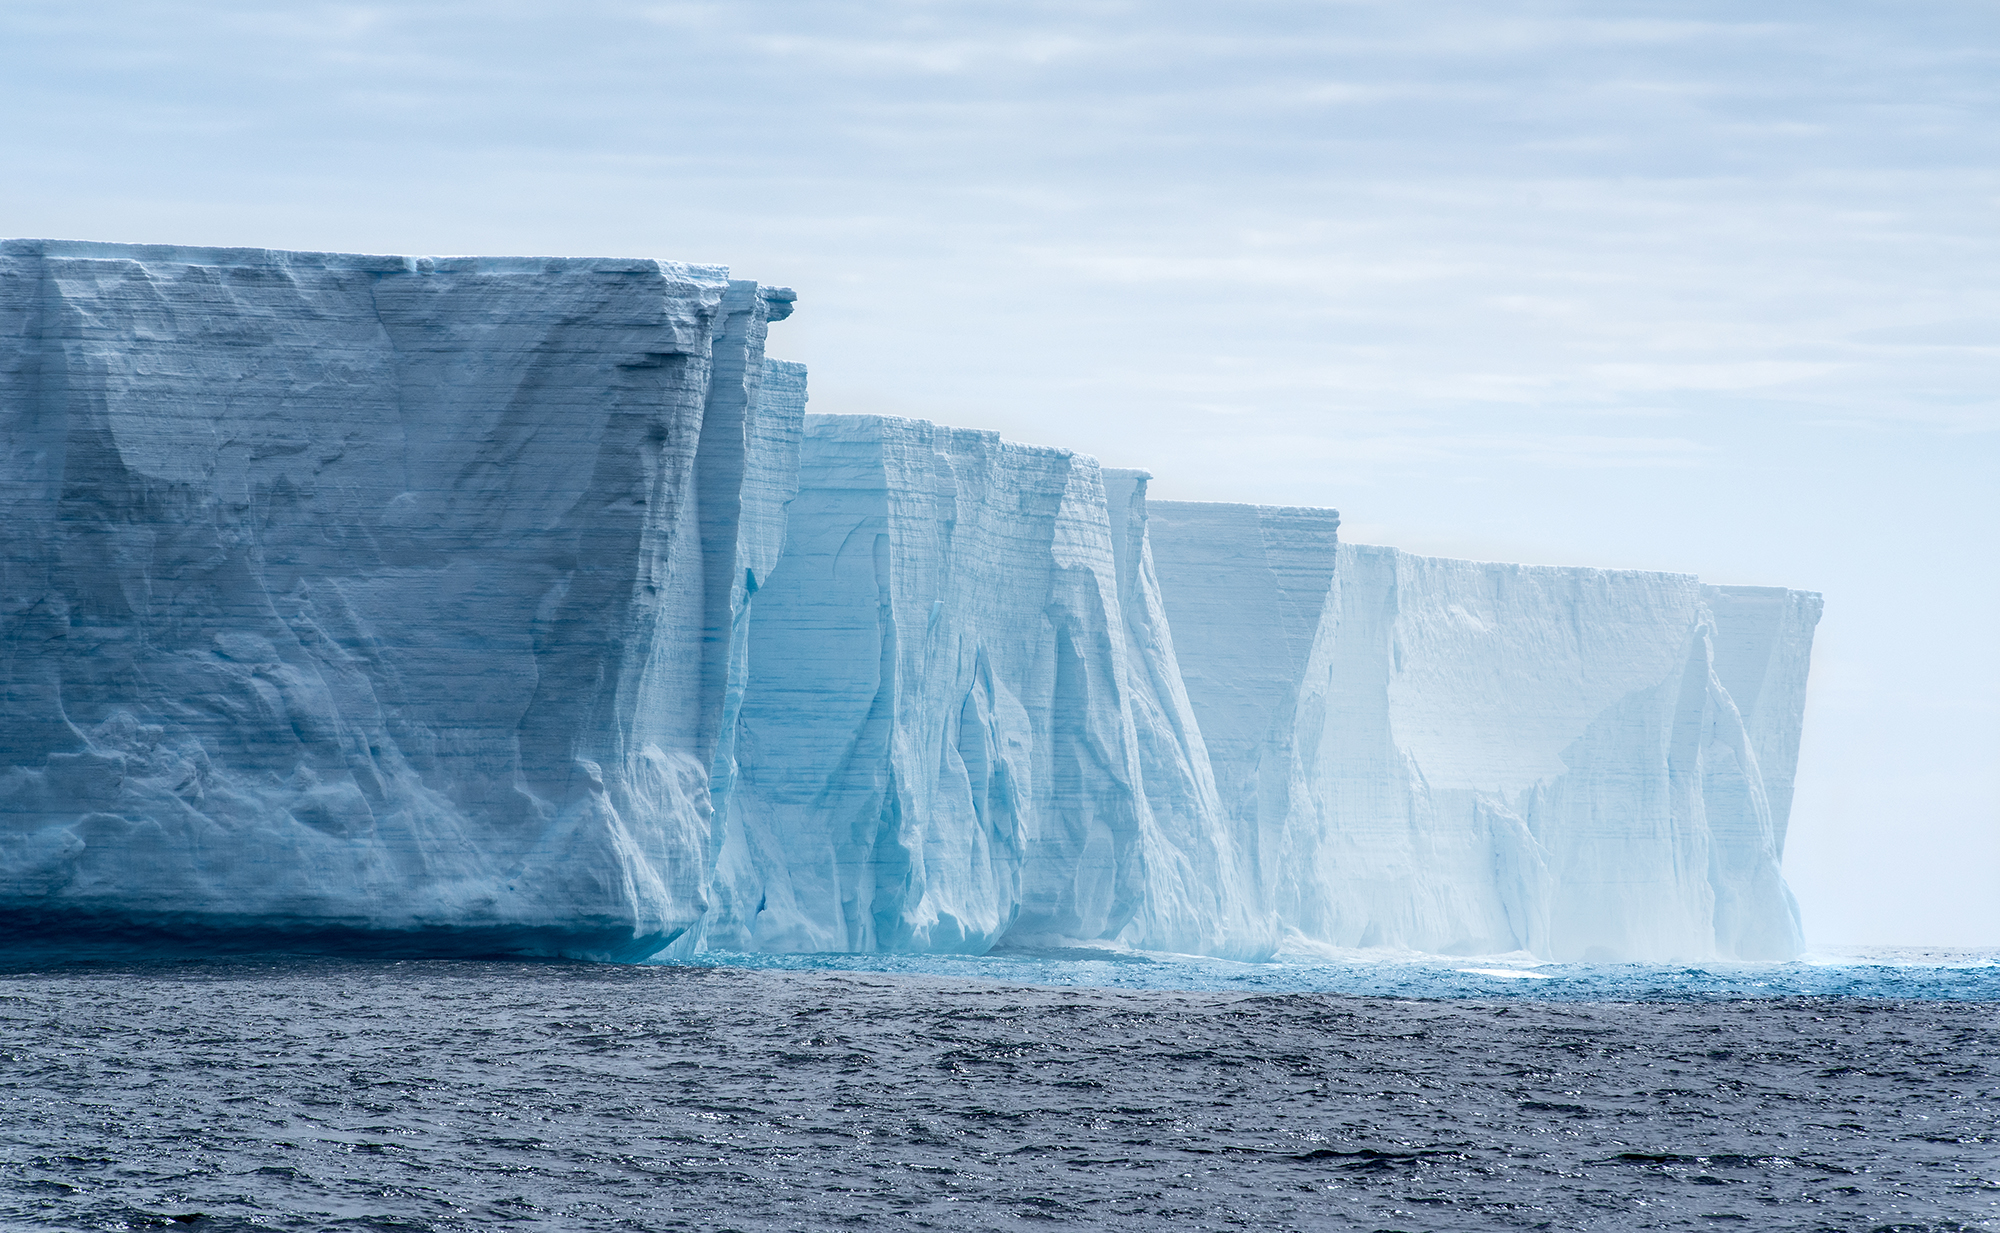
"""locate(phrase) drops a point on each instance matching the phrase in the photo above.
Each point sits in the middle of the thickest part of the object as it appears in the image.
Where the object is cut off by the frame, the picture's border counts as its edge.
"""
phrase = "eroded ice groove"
(1476, 758)
(759, 476)
(372, 595)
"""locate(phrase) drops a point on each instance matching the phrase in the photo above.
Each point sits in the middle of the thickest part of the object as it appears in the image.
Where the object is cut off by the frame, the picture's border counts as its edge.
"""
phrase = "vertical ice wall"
(1494, 757)
(1762, 647)
(1244, 588)
(1204, 893)
(932, 747)
(368, 593)
(1498, 770)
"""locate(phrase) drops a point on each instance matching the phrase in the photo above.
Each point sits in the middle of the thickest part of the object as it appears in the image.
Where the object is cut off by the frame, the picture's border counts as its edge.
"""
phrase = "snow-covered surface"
(515, 605)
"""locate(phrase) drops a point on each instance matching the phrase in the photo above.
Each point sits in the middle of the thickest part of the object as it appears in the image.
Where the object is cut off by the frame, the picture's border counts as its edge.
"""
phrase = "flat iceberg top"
(1197, 510)
(1566, 571)
(276, 258)
(892, 431)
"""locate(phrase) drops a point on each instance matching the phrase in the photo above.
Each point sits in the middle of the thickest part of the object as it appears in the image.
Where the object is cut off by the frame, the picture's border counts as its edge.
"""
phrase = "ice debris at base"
(515, 605)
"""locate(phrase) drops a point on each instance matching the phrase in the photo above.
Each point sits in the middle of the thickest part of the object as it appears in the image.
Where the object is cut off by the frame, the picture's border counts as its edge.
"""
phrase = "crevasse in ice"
(515, 605)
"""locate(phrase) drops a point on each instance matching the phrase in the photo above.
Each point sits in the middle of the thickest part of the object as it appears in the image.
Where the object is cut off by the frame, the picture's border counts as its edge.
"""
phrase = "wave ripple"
(324, 1095)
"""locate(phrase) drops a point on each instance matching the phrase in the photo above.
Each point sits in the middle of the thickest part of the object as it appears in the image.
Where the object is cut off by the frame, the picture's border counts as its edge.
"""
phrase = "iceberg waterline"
(516, 606)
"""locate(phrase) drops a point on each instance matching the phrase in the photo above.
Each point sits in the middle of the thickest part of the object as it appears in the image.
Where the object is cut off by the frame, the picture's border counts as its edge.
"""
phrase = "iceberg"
(962, 722)
(516, 606)
(373, 595)
(932, 747)
(1468, 758)
(1244, 589)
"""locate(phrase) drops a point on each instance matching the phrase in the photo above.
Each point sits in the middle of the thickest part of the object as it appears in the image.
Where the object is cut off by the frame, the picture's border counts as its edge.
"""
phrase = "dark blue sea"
(1082, 1089)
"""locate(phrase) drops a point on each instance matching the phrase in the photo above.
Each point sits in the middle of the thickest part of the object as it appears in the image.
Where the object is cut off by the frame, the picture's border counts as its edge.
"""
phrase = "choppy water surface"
(315, 1094)
(1858, 972)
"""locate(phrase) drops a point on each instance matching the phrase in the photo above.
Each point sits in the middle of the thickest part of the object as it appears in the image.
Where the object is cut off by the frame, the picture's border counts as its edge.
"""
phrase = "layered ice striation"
(516, 606)
(948, 736)
(1462, 757)
(374, 595)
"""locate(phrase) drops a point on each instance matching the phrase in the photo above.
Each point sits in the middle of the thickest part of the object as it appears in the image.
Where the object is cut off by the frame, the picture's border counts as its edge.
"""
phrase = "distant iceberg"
(1469, 758)
(516, 606)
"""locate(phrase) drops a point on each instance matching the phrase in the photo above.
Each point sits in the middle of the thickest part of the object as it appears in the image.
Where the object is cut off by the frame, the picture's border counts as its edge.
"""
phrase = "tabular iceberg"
(962, 719)
(516, 605)
(931, 748)
(1461, 757)
(372, 594)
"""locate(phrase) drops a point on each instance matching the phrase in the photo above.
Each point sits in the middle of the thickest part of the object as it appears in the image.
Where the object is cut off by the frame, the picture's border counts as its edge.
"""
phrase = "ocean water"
(1084, 1089)
(1928, 973)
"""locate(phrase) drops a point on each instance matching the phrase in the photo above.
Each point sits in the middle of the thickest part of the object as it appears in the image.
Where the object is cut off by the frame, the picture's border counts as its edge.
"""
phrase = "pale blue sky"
(1706, 287)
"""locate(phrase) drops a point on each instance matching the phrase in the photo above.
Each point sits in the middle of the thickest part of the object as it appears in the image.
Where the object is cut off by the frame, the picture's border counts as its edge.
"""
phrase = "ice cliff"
(1462, 757)
(948, 734)
(516, 606)
(374, 595)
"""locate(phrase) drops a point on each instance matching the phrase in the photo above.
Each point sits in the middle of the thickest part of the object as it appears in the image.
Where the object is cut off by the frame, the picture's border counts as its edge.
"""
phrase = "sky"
(1702, 287)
